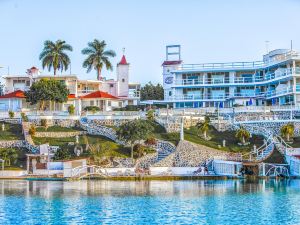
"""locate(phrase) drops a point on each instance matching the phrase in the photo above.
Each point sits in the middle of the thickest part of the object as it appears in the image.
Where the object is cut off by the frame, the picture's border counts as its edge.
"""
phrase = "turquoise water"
(150, 202)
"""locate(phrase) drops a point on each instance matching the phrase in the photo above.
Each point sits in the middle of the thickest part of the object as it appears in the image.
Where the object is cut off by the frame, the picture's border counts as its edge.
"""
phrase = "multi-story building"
(105, 94)
(273, 81)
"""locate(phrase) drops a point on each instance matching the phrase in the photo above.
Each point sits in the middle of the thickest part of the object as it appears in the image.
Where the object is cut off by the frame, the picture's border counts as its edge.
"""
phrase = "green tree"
(287, 131)
(243, 135)
(97, 57)
(62, 154)
(9, 155)
(47, 90)
(54, 56)
(150, 115)
(203, 126)
(134, 131)
(152, 92)
(71, 109)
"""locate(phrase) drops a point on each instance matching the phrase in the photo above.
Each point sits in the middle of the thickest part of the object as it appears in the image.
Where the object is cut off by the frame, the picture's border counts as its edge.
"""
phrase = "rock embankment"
(188, 154)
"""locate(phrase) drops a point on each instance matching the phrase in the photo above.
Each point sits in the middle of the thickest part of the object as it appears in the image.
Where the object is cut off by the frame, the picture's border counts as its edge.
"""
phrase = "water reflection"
(49, 189)
(150, 202)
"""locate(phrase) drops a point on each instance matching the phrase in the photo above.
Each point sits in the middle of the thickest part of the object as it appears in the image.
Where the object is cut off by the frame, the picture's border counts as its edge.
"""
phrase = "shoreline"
(145, 178)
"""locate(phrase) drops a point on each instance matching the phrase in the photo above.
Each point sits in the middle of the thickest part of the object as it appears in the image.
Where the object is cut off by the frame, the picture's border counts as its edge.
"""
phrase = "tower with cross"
(123, 76)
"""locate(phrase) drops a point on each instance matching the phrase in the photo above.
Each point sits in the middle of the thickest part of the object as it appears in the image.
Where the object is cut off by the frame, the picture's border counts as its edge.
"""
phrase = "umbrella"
(250, 102)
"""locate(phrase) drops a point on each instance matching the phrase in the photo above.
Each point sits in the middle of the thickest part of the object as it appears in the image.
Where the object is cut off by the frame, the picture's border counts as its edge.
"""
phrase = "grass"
(58, 129)
(11, 132)
(115, 150)
(217, 138)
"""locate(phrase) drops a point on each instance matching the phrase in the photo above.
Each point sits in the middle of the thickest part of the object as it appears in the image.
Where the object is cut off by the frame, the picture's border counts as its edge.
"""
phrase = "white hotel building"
(273, 81)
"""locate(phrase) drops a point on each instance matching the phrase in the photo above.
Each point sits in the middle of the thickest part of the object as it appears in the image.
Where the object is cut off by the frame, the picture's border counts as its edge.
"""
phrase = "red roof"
(71, 96)
(123, 61)
(15, 94)
(167, 63)
(99, 94)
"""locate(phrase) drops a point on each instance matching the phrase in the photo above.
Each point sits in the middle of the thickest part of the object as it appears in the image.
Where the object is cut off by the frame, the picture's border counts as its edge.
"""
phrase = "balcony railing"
(238, 80)
(240, 65)
(268, 94)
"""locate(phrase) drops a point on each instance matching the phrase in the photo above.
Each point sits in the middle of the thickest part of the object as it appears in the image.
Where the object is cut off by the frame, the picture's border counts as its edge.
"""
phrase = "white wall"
(173, 170)
(123, 79)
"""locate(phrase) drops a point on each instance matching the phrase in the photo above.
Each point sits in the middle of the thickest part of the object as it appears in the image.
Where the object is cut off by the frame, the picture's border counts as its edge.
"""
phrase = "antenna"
(123, 50)
(267, 46)
(8, 70)
(291, 45)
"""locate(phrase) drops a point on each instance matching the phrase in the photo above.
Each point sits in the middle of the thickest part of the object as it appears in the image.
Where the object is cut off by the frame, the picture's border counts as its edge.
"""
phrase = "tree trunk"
(288, 137)
(99, 73)
(54, 71)
(243, 140)
(205, 135)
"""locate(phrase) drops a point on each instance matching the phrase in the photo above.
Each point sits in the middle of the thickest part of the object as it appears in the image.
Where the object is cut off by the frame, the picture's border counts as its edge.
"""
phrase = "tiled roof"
(70, 96)
(167, 63)
(123, 61)
(15, 94)
(99, 94)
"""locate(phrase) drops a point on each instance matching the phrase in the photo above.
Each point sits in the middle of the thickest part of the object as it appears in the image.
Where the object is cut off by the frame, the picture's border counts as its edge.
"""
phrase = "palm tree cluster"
(54, 56)
(287, 131)
(243, 135)
(203, 126)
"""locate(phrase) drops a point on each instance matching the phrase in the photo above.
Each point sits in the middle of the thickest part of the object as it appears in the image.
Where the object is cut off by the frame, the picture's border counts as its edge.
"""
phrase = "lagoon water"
(150, 202)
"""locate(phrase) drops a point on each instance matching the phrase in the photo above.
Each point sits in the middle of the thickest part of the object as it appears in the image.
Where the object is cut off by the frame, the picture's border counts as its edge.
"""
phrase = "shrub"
(24, 117)
(71, 109)
(93, 109)
(11, 114)
(32, 130)
(62, 154)
(151, 141)
(150, 115)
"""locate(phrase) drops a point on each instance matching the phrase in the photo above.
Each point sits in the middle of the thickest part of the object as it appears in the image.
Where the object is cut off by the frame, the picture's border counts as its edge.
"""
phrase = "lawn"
(215, 141)
(11, 132)
(115, 150)
(218, 137)
(58, 129)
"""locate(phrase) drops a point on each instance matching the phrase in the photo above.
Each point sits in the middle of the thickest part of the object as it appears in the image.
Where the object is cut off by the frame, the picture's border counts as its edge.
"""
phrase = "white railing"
(239, 80)
(83, 171)
(254, 64)
(241, 65)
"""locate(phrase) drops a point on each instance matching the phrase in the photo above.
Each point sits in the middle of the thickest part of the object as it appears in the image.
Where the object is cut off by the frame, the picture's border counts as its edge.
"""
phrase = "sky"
(207, 30)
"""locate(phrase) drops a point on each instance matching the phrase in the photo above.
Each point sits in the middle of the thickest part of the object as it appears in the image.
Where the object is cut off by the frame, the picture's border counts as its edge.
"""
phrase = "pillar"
(182, 129)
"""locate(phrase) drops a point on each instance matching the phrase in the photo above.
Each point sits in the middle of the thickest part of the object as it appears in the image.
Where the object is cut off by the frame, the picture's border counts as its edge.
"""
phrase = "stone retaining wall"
(189, 154)
(59, 134)
(12, 144)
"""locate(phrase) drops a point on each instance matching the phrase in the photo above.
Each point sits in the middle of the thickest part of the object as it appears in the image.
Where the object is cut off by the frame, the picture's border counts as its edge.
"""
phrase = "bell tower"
(123, 76)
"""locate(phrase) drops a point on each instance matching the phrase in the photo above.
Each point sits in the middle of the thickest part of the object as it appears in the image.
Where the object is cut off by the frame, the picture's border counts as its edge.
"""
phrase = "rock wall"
(188, 154)
(59, 134)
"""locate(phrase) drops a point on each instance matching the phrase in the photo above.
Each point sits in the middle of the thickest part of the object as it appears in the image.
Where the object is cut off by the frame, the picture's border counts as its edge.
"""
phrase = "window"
(27, 83)
(111, 85)
(120, 104)
(170, 93)
(123, 80)
(108, 103)
(91, 102)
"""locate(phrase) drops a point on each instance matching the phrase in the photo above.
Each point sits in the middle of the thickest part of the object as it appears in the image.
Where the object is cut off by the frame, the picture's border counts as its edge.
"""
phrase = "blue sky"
(208, 31)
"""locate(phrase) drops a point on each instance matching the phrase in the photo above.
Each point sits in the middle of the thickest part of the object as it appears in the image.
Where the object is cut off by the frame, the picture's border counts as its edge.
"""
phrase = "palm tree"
(9, 155)
(97, 57)
(54, 56)
(242, 134)
(287, 131)
(203, 127)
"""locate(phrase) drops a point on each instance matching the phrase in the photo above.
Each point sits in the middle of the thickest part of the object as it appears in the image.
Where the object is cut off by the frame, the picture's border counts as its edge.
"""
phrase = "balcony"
(277, 75)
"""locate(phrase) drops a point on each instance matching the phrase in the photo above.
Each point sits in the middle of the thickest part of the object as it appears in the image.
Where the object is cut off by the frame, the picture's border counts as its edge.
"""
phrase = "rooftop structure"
(275, 80)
